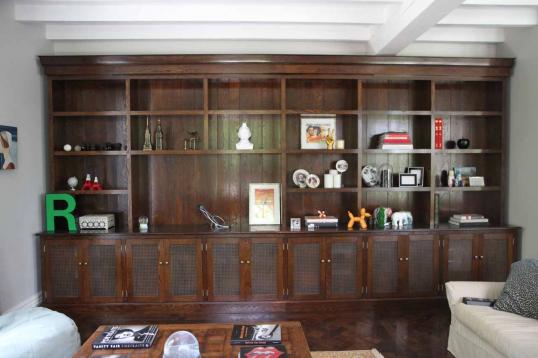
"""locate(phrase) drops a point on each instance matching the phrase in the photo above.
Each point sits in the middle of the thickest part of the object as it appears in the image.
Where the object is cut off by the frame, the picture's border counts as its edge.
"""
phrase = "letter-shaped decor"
(52, 213)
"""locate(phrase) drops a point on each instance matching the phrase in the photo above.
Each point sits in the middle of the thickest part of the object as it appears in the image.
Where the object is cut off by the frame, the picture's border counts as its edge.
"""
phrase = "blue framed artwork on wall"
(8, 147)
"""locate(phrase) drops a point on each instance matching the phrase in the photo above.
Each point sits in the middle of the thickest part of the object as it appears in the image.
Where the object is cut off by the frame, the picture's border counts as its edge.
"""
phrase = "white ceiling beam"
(463, 34)
(209, 31)
(502, 2)
(492, 16)
(348, 12)
(407, 23)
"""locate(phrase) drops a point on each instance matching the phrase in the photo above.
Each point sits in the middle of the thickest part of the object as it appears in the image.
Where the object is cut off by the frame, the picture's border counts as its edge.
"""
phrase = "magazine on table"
(117, 337)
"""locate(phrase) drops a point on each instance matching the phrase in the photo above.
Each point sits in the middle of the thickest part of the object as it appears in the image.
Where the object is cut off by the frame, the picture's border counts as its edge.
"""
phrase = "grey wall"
(523, 167)
(22, 105)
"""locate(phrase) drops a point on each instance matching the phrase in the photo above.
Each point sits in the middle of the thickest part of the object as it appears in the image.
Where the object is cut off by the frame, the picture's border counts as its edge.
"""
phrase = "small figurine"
(72, 182)
(321, 214)
(329, 139)
(361, 219)
(382, 216)
(96, 185)
(451, 178)
(244, 135)
(87, 183)
(159, 136)
(401, 219)
(147, 137)
(193, 142)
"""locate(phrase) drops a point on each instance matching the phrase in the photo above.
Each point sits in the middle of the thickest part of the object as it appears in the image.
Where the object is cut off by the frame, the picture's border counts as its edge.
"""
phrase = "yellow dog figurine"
(361, 219)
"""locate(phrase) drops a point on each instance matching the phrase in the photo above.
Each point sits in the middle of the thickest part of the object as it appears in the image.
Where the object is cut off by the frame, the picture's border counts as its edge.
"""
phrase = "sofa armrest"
(456, 290)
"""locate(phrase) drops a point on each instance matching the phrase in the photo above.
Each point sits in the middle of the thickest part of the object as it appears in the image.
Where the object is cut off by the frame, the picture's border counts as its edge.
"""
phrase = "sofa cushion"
(520, 292)
(510, 334)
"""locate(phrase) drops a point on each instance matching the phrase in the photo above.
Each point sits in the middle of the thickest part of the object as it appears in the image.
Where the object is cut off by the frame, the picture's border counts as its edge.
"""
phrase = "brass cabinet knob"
(401, 258)
(248, 262)
(166, 262)
(322, 260)
(80, 263)
(476, 257)
(160, 262)
(86, 264)
(328, 260)
(407, 259)
(481, 257)
(242, 261)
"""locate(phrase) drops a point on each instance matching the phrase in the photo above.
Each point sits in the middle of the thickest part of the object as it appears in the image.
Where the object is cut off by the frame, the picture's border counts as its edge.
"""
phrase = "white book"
(397, 146)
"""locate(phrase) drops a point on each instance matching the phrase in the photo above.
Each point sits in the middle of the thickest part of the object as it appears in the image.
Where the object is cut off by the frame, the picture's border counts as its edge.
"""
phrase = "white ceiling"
(374, 27)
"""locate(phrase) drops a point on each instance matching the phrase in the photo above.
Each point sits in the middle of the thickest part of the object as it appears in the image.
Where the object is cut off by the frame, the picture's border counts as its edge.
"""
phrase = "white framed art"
(264, 204)
(314, 130)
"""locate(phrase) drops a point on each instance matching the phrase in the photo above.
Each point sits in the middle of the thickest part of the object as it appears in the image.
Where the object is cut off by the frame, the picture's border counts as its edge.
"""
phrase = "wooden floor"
(396, 329)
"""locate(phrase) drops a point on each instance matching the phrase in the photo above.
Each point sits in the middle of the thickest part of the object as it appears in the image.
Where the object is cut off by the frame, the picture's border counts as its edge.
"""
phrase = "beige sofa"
(482, 332)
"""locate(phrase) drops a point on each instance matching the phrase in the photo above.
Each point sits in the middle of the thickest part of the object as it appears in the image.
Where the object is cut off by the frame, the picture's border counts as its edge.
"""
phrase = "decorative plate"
(299, 177)
(369, 175)
(312, 181)
(341, 166)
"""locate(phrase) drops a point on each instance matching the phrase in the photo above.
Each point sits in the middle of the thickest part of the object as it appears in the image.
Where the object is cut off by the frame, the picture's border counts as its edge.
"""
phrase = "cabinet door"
(495, 256)
(306, 271)
(344, 267)
(183, 264)
(103, 271)
(144, 266)
(265, 275)
(422, 265)
(223, 269)
(63, 270)
(460, 257)
(384, 266)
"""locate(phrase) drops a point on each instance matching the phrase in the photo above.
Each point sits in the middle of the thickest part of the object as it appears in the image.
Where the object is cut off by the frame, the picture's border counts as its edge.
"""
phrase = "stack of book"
(395, 140)
(264, 340)
(327, 221)
(468, 220)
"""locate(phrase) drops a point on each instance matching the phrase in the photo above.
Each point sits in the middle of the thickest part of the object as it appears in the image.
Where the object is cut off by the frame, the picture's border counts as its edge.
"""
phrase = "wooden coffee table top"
(214, 340)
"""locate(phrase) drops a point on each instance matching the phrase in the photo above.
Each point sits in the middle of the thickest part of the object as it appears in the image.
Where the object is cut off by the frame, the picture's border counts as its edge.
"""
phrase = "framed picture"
(408, 179)
(419, 171)
(264, 204)
(8, 147)
(314, 130)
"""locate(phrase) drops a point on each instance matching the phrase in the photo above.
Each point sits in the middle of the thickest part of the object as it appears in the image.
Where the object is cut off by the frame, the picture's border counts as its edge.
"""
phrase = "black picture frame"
(407, 180)
(419, 171)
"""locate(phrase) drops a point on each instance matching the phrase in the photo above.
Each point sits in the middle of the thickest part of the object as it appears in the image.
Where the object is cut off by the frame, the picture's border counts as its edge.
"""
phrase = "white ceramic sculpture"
(401, 219)
(244, 135)
(72, 182)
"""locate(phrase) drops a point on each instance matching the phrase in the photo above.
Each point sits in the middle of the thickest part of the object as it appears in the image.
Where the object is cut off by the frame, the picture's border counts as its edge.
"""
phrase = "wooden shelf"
(397, 113)
(205, 152)
(168, 113)
(244, 111)
(397, 189)
(94, 192)
(469, 113)
(467, 151)
(322, 190)
(89, 153)
(323, 151)
(468, 188)
(319, 111)
(397, 151)
(90, 114)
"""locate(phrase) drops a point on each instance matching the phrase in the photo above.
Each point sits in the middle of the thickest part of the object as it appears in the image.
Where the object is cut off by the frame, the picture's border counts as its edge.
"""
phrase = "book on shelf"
(126, 336)
(467, 216)
(269, 351)
(257, 334)
(468, 224)
(396, 146)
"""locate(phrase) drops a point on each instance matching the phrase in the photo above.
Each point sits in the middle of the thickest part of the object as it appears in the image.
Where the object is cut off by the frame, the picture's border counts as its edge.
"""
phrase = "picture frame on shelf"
(408, 180)
(314, 130)
(264, 204)
(8, 148)
(419, 171)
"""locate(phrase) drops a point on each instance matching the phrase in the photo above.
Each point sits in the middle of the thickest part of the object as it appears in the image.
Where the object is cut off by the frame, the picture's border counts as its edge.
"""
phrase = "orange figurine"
(361, 219)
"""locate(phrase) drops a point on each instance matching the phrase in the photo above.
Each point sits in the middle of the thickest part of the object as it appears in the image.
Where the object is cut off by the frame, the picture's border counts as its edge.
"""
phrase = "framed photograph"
(314, 130)
(408, 179)
(8, 148)
(264, 204)
(419, 171)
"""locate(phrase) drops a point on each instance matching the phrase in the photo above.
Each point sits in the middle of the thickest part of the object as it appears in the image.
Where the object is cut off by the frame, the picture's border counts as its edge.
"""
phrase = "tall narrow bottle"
(159, 136)
(147, 137)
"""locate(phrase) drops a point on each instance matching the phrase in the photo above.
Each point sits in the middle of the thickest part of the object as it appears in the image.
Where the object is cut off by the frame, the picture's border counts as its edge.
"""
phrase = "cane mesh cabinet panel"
(264, 269)
(423, 254)
(343, 276)
(305, 264)
(494, 257)
(144, 272)
(383, 253)
(225, 271)
(64, 270)
(460, 258)
(184, 266)
(102, 270)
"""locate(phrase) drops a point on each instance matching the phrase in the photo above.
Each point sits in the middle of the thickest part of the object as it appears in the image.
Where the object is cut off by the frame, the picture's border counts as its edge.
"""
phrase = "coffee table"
(214, 340)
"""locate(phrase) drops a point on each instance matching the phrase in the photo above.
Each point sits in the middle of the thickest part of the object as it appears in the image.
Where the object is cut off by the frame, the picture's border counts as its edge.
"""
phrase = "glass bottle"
(147, 137)
(159, 136)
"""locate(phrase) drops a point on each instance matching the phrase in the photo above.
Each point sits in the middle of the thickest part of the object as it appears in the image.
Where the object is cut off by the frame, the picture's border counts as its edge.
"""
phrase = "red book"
(438, 133)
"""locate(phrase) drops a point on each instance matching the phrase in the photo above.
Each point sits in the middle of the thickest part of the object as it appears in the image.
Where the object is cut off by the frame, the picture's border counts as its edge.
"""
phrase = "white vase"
(244, 135)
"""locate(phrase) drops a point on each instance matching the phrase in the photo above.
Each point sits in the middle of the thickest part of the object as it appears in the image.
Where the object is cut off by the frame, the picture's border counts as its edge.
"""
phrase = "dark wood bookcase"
(181, 266)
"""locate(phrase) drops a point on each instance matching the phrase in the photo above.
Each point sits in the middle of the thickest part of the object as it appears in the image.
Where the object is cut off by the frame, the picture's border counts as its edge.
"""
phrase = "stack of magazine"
(118, 337)
(468, 220)
(263, 340)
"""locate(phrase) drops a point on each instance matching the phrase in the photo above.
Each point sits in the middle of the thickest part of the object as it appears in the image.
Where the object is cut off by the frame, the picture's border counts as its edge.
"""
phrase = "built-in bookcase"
(168, 185)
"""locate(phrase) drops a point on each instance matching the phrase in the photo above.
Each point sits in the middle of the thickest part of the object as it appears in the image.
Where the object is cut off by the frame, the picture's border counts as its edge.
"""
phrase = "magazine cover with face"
(126, 337)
